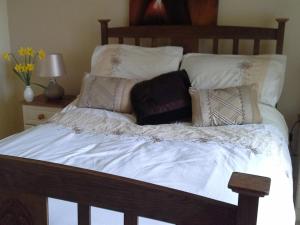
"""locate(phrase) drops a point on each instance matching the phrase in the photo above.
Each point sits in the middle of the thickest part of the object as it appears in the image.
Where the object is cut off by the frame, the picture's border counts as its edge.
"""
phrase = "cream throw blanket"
(258, 139)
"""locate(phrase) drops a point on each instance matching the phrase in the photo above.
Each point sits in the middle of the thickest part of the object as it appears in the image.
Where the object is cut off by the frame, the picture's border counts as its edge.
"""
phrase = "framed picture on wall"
(173, 12)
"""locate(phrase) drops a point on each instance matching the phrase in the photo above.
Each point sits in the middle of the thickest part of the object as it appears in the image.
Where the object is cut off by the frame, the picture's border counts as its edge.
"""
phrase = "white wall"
(70, 27)
(8, 116)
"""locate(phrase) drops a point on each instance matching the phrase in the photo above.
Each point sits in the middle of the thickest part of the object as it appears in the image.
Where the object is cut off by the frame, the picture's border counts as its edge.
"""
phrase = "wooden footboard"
(26, 184)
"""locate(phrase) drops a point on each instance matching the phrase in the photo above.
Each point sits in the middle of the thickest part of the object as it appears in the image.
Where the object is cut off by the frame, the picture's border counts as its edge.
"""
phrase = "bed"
(145, 174)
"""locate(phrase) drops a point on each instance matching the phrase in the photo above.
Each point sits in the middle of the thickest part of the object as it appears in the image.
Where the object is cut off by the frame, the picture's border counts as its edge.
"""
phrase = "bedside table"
(41, 109)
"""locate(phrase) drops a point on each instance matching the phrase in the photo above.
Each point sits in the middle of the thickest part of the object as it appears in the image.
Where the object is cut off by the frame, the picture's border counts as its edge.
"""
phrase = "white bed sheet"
(199, 167)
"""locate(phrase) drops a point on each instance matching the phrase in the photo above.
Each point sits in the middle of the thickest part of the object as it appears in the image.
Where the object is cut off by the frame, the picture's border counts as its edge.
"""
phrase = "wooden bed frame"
(25, 185)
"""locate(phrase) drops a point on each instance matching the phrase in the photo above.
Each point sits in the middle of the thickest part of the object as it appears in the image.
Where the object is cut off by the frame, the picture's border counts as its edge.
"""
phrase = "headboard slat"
(235, 49)
(256, 47)
(215, 45)
(153, 42)
(137, 41)
(189, 44)
(188, 36)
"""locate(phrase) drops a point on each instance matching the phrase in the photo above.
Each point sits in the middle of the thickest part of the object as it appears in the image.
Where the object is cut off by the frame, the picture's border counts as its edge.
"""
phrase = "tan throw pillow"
(108, 93)
(230, 106)
(208, 71)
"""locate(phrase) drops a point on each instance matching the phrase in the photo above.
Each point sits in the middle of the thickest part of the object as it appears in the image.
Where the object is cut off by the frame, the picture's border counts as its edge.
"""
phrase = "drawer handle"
(41, 117)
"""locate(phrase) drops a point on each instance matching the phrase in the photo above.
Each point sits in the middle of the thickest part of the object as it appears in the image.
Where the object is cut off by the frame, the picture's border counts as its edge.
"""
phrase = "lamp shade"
(52, 66)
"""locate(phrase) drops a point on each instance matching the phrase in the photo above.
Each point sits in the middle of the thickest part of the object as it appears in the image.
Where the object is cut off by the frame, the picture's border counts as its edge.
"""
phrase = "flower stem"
(19, 76)
(14, 57)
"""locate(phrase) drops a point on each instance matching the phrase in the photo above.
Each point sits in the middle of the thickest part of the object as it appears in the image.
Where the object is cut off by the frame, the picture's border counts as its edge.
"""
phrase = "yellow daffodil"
(29, 67)
(6, 56)
(19, 68)
(42, 54)
(23, 62)
(24, 69)
(29, 52)
(22, 51)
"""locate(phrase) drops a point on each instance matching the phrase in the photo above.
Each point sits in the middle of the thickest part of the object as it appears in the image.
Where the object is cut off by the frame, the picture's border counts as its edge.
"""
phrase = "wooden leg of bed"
(130, 219)
(84, 214)
(250, 188)
(23, 209)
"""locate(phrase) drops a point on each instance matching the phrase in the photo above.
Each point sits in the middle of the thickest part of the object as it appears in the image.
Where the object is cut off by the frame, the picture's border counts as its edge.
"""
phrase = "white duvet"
(196, 160)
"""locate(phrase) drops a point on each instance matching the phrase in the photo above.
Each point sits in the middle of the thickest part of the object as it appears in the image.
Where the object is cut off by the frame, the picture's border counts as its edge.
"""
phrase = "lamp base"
(54, 91)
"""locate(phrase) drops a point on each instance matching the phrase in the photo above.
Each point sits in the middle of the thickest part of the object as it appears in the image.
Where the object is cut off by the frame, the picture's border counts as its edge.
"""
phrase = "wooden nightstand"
(40, 110)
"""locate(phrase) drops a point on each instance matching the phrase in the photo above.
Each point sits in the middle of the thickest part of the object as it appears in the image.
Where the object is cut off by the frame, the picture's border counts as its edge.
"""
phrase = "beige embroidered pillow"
(223, 71)
(230, 106)
(109, 93)
(135, 62)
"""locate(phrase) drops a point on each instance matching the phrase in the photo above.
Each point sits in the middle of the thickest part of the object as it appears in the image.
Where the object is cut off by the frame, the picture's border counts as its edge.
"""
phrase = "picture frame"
(173, 12)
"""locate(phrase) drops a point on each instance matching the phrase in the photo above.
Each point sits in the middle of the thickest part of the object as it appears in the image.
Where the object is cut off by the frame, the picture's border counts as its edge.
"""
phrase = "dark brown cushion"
(164, 99)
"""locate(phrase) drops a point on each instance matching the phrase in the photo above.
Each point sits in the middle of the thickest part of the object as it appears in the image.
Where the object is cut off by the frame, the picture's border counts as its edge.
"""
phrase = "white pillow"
(134, 62)
(208, 71)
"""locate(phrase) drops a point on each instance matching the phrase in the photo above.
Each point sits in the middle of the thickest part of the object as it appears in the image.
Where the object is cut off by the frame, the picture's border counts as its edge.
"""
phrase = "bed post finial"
(250, 188)
(104, 31)
(280, 34)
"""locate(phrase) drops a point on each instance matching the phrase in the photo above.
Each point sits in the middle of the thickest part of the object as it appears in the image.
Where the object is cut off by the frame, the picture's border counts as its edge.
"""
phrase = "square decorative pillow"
(164, 99)
(207, 71)
(108, 93)
(230, 106)
(135, 62)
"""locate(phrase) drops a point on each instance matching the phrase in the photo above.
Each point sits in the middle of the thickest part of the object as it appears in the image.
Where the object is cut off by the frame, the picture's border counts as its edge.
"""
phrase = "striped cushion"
(108, 93)
(230, 106)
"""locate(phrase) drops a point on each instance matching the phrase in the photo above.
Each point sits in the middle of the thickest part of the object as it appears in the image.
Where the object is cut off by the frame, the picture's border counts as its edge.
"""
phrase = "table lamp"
(52, 67)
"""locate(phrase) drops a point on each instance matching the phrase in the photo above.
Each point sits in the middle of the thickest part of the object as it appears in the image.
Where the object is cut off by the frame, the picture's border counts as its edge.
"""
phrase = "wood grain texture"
(235, 49)
(215, 45)
(84, 214)
(41, 100)
(280, 34)
(189, 43)
(191, 33)
(135, 198)
(256, 47)
(14, 212)
(111, 192)
(104, 31)
(130, 218)
(26, 209)
(250, 185)
(247, 210)
(249, 188)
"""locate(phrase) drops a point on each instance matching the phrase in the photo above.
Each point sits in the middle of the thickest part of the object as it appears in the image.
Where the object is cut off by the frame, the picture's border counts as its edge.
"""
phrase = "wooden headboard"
(188, 36)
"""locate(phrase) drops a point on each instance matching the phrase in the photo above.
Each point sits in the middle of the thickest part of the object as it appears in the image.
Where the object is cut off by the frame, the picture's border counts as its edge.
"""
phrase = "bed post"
(250, 188)
(280, 34)
(104, 31)
(25, 209)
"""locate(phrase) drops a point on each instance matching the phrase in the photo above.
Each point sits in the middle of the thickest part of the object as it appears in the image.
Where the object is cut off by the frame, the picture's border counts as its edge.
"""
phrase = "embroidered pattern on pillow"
(223, 71)
(230, 106)
(135, 62)
(108, 93)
